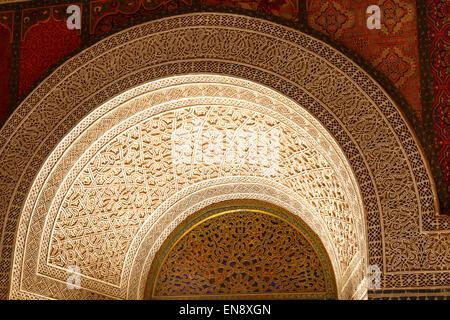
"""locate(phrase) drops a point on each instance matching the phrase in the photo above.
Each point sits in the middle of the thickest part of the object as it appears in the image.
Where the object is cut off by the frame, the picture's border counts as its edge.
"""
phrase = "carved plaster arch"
(397, 192)
(240, 236)
(185, 95)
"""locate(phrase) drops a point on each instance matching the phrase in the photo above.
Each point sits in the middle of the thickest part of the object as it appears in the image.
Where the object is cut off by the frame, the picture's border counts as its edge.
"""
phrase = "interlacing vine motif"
(135, 173)
(404, 236)
(241, 253)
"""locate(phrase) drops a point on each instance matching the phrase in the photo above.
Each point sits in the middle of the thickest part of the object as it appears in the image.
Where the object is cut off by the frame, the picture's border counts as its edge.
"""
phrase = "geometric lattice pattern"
(241, 253)
(392, 50)
(287, 9)
(404, 236)
(136, 172)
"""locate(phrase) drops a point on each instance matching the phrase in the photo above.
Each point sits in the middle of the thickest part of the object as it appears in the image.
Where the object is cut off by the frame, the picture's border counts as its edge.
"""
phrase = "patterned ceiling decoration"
(42, 157)
(106, 14)
(103, 191)
(287, 9)
(395, 15)
(438, 18)
(242, 251)
(6, 21)
(393, 51)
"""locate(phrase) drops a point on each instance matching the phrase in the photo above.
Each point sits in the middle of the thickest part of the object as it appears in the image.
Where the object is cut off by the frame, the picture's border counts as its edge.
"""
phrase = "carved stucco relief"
(395, 185)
